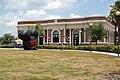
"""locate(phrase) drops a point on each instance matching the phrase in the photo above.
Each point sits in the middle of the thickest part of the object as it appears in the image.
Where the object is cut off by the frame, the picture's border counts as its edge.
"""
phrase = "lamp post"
(118, 25)
(91, 24)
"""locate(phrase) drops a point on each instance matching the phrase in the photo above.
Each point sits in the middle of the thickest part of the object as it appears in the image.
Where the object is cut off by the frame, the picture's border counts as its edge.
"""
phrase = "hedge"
(113, 49)
(93, 48)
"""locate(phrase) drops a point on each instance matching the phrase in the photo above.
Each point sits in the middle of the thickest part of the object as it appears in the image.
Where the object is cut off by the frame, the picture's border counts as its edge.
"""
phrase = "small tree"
(97, 32)
(40, 29)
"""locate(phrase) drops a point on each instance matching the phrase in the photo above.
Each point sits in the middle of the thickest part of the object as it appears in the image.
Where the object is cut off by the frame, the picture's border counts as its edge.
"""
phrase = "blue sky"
(12, 11)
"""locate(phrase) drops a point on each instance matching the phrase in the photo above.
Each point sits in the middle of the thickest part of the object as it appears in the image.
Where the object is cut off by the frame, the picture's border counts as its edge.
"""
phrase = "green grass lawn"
(56, 65)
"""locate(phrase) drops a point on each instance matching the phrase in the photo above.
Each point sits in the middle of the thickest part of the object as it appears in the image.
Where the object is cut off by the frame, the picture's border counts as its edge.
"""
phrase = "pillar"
(80, 36)
(44, 38)
(47, 36)
(64, 35)
(70, 37)
(84, 36)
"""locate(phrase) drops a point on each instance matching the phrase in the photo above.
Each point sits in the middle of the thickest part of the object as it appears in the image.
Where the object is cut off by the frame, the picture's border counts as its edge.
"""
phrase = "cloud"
(12, 23)
(37, 4)
(0, 6)
(96, 15)
(32, 14)
(15, 4)
(54, 17)
(36, 12)
(8, 23)
(102, 0)
(8, 18)
(20, 10)
(54, 5)
(60, 4)
(72, 15)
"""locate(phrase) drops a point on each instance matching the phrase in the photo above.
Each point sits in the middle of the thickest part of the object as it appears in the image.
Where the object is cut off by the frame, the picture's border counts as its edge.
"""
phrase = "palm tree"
(112, 16)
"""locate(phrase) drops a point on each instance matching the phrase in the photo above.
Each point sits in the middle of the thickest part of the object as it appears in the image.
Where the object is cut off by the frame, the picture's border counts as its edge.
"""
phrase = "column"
(84, 36)
(70, 36)
(51, 39)
(47, 36)
(44, 37)
(61, 36)
(109, 37)
(80, 36)
(64, 35)
(104, 40)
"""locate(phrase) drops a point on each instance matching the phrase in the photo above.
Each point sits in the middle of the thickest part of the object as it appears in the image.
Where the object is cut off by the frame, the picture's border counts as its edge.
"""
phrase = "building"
(69, 31)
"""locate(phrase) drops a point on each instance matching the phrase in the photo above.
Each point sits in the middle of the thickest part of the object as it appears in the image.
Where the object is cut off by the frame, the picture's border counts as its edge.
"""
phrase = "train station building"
(69, 31)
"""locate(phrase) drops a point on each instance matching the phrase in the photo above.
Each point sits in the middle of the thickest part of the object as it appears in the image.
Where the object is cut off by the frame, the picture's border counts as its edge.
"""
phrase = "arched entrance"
(55, 36)
(76, 37)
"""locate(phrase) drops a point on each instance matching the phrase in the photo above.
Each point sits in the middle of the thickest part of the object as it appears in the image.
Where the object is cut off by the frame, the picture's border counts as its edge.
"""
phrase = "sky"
(12, 11)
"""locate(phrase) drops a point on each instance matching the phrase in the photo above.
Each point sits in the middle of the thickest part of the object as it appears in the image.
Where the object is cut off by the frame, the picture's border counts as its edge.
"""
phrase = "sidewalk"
(107, 53)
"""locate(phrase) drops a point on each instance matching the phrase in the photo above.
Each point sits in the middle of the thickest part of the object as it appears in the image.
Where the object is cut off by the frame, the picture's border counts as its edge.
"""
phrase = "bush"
(83, 48)
(6, 46)
(103, 48)
(93, 48)
(69, 47)
(48, 47)
(114, 49)
(55, 47)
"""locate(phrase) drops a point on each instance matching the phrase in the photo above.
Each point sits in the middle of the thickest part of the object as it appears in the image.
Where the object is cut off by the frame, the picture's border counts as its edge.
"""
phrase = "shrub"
(114, 49)
(83, 48)
(103, 48)
(6, 46)
(93, 48)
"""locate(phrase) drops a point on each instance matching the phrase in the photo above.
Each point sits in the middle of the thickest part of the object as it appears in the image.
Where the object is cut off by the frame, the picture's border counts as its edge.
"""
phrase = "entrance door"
(40, 40)
(55, 36)
(76, 37)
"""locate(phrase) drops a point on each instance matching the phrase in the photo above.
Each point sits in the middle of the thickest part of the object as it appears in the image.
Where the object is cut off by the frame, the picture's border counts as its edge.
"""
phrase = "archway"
(76, 37)
(55, 36)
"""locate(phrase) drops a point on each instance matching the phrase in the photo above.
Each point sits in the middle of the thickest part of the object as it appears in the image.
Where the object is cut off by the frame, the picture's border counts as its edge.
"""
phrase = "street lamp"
(118, 25)
(91, 24)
